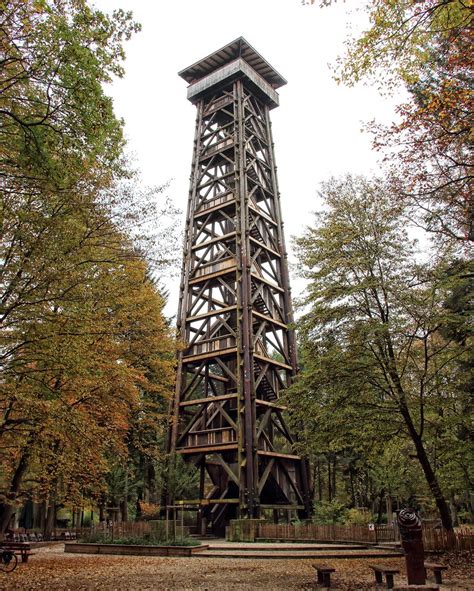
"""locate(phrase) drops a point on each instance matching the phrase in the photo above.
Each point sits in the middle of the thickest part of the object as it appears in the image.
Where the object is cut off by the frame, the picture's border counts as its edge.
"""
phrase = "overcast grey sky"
(317, 128)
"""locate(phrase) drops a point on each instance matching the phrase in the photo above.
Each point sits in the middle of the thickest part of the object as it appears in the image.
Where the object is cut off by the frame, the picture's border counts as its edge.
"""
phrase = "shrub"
(358, 517)
(329, 512)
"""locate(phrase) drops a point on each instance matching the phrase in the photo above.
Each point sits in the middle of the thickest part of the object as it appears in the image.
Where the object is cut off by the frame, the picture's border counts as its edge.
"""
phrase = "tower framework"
(235, 312)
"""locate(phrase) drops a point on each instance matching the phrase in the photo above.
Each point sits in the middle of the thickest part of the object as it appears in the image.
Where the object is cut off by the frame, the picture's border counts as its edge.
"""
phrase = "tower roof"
(237, 48)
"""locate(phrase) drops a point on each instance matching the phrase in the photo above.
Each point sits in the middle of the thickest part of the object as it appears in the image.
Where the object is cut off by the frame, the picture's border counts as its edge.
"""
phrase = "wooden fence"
(311, 531)
(437, 539)
(434, 539)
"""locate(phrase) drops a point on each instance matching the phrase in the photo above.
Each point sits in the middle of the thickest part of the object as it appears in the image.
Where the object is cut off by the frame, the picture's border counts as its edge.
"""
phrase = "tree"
(85, 352)
(425, 46)
(432, 162)
(370, 334)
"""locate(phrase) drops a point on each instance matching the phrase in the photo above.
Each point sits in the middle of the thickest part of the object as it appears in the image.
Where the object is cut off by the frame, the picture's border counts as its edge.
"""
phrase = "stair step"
(289, 554)
(288, 547)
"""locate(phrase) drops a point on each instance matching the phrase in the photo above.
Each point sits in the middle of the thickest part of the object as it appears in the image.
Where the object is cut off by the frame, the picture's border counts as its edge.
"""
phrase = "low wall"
(132, 550)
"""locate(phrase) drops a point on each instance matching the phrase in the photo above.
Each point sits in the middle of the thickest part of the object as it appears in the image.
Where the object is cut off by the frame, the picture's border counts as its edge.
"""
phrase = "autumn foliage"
(86, 353)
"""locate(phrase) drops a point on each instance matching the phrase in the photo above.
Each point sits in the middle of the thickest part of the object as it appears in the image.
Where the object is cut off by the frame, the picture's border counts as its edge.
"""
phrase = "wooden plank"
(269, 319)
(213, 275)
(213, 313)
(274, 454)
(220, 501)
(222, 238)
(222, 205)
(207, 400)
(211, 448)
(291, 507)
(270, 404)
(268, 360)
(266, 281)
(211, 376)
(211, 430)
(209, 354)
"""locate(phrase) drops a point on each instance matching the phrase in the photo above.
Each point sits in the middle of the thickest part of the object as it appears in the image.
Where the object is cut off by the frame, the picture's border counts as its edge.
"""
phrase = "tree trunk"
(430, 476)
(334, 472)
(138, 511)
(389, 508)
(124, 509)
(7, 509)
(454, 511)
(320, 482)
(50, 519)
(351, 480)
(42, 523)
(379, 515)
(329, 479)
(124, 502)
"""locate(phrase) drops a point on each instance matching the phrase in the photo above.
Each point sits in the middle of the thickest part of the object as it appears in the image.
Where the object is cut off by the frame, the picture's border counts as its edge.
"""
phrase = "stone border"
(132, 550)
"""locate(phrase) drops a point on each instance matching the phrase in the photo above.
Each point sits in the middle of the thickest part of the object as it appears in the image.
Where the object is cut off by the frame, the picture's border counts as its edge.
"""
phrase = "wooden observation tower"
(235, 309)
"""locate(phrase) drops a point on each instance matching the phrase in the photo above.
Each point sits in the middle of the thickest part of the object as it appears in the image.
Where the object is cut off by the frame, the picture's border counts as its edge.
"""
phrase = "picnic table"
(22, 549)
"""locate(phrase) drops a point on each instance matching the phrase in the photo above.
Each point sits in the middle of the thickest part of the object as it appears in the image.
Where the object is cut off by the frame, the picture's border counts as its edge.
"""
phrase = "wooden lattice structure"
(235, 310)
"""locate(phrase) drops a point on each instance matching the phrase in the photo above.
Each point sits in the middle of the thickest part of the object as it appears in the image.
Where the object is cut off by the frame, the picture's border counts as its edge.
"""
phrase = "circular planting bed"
(132, 549)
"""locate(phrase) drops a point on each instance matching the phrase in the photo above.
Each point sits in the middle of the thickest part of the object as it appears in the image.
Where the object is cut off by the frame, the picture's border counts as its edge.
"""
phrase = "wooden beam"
(207, 449)
(265, 246)
(269, 319)
(263, 280)
(207, 400)
(209, 354)
(268, 360)
(274, 454)
(212, 313)
(225, 271)
(265, 475)
(270, 404)
(219, 501)
(222, 238)
(288, 507)
(227, 469)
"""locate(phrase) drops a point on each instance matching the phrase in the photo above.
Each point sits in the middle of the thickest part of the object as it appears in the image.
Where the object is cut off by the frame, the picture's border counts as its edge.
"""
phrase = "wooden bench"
(324, 574)
(437, 570)
(20, 548)
(380, 571)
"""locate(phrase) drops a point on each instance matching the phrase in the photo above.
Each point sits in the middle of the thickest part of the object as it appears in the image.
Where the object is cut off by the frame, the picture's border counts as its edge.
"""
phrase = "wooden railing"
(218, 436)
(211, 345)
(215, 201)
(216, 267)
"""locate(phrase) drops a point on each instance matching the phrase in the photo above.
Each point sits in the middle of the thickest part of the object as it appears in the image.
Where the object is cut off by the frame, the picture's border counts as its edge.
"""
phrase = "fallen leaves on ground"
(53, 570)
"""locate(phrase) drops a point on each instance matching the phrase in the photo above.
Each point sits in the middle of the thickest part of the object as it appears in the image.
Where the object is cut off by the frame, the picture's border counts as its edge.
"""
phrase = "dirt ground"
(51, 569)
